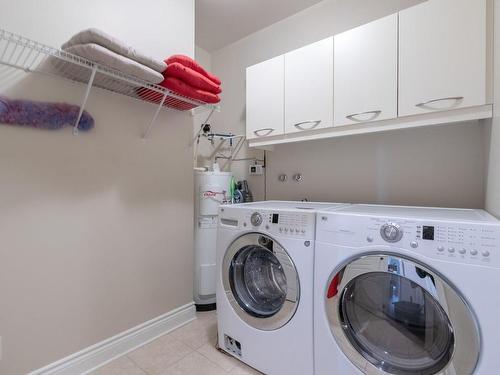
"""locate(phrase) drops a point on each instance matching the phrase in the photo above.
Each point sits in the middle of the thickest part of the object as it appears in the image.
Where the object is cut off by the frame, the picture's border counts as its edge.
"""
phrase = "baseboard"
(98, 355)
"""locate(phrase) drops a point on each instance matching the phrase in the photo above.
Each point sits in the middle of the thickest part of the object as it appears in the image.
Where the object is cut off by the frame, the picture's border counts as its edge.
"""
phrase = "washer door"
(392, 315)
(260, 281)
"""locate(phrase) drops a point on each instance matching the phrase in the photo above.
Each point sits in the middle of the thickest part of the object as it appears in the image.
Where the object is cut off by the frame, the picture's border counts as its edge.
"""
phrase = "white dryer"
(407, 291)
(265, 255)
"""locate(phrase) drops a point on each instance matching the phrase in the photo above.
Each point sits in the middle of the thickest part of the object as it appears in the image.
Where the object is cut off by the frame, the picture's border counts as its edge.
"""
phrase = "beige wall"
(95, 230)
(203, 57)
(493, 185)
(437, 166)
(204, 149)
(378, 159)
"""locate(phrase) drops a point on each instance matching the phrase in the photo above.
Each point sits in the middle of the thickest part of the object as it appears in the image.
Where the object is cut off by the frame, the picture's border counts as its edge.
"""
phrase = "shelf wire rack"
(31, 56)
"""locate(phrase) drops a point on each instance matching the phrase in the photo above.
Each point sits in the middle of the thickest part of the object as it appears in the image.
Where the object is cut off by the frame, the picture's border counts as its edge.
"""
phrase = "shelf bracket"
(209, 116)
(85, 98)
(151, 124)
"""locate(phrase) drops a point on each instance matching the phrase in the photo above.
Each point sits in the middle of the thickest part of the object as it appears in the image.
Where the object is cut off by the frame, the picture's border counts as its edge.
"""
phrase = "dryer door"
(261, 281)
(393, 315)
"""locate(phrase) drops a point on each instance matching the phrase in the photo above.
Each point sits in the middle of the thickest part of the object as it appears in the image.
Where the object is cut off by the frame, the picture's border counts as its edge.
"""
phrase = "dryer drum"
(397, 323)
(392, 315)
(258, 281)
(261, 281)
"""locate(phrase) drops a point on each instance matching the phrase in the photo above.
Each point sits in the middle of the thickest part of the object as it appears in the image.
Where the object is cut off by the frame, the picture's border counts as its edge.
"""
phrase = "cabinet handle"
(354, 115)
(455, 98)
(314, 124)
(267, 130)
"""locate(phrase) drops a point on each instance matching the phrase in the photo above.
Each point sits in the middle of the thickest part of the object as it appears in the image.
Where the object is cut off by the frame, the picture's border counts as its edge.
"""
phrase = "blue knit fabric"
(42, 115)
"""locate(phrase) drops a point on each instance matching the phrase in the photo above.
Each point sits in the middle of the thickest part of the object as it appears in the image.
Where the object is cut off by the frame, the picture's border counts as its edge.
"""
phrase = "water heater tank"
(211, 189)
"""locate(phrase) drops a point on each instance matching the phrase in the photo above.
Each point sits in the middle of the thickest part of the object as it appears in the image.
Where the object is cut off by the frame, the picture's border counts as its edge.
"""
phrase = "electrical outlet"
(256, 170)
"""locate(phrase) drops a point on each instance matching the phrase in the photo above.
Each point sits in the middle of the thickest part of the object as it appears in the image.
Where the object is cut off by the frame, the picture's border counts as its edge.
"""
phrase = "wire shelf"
(22, 53)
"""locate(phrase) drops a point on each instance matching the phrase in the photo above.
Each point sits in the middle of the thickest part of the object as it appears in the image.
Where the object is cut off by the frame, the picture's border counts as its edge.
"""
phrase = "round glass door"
(258, 281)
(392, 315)
(261, 281)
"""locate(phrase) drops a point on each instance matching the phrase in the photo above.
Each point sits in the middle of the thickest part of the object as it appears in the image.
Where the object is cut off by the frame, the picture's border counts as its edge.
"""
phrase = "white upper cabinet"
(366, 73)
(443, 52)
(265, 99)
(430, 64)
(309, 87)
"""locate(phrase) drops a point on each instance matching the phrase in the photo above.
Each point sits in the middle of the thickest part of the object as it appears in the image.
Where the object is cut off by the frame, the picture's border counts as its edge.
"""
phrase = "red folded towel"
(185, 77)
(181, 88)
(192, 64)
(191, 77)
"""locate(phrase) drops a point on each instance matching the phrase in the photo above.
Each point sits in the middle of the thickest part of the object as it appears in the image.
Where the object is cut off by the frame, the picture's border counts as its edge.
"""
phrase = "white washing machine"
(407, 291)
(265, 255)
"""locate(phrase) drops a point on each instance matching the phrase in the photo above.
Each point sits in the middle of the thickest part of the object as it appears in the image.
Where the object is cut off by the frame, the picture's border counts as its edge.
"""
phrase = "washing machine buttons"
(369, 239)
(451, 250)
(462, 251)
(485, 253)
(414, 244)
(440, 249)
(473, 252)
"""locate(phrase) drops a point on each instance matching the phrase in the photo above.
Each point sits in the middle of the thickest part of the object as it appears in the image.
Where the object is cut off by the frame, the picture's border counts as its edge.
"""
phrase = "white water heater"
(211, 189)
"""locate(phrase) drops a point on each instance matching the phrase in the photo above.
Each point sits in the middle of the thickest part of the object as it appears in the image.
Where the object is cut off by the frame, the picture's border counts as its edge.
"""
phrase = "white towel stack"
(96, 45)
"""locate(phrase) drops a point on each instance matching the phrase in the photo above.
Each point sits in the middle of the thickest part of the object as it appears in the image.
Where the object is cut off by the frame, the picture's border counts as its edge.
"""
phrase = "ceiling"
(222, 22)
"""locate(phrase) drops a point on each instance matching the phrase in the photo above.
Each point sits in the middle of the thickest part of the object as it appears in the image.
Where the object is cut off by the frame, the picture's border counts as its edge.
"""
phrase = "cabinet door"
(309, 87)
(265, 99)
(366, 73)
(442, 56)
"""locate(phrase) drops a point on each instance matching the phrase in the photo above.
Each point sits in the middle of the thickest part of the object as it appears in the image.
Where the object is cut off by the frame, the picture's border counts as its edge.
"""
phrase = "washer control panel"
(282, 223)
(460, 241)
(474, 243)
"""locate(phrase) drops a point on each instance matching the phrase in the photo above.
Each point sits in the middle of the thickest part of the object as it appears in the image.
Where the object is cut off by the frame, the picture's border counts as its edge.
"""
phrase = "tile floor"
(189, 350)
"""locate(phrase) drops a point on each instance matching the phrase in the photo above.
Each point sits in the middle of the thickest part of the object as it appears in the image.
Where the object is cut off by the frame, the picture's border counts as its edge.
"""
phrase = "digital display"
(276, 218)
(428, 233)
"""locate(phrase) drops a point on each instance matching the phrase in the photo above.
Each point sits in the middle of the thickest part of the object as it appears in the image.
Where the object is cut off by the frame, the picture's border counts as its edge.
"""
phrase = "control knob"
(391, 232)
(256, 219)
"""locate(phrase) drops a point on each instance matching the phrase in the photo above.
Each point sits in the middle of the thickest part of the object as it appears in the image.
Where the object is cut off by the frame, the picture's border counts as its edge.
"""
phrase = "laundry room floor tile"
(197, 333)
(207, 317)
(189, 350)
(194, 364)
(160, 354)
(120, 366)
(223, 360)
(243, 369)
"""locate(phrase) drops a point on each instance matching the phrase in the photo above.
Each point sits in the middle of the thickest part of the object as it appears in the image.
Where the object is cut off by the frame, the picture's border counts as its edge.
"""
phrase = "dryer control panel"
(474, 243)
(281, 223)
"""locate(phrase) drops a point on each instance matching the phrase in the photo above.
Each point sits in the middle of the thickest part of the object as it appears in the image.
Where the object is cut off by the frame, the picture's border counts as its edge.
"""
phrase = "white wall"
(493, 185)
(379, 178)
(95, 230)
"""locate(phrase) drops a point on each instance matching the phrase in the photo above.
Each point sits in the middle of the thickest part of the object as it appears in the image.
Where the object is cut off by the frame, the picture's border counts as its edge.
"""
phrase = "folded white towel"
(99, 37)
(101, 55)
